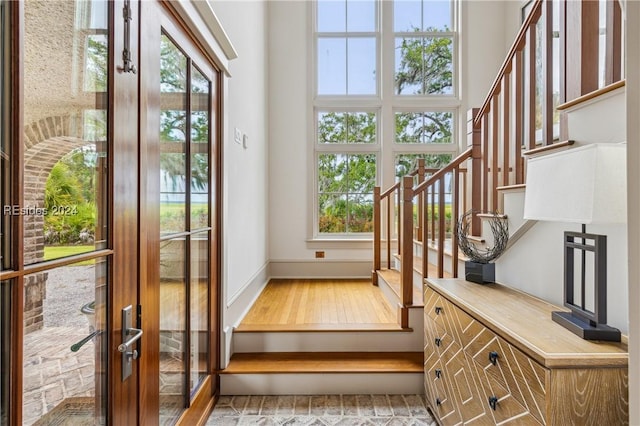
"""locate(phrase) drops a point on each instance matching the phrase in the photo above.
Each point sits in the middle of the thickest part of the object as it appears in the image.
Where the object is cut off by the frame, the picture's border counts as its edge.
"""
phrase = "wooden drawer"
(517, 375)
(505, 409)
(447, 315)
(441, 396)
(502, 360)
(458, 371)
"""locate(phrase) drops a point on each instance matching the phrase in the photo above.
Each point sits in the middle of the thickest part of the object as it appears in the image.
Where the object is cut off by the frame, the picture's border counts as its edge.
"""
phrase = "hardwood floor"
(326, 362)
(329, 304)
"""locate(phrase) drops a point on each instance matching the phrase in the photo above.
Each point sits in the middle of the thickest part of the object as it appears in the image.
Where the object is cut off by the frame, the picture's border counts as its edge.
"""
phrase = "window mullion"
(385, 103)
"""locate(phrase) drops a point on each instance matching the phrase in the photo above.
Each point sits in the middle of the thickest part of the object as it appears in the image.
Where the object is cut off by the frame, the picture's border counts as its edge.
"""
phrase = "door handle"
(76, 346)
(130, 335)
(135, 334)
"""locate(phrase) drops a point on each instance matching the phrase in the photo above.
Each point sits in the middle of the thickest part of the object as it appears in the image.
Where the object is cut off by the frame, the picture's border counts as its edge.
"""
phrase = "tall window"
(377, 110)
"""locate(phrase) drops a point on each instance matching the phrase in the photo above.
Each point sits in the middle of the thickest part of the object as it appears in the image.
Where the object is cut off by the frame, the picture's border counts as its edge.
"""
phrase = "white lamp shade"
(580, 185)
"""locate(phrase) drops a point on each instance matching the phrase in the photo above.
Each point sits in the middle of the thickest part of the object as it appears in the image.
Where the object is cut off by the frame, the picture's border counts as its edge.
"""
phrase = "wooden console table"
(493, 355)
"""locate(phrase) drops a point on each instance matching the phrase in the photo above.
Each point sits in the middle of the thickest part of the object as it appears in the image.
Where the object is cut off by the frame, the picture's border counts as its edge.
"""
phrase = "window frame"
(385, 103)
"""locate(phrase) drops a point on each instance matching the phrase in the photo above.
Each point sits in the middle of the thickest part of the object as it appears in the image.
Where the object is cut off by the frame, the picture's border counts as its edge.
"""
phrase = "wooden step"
(325, 362)
(392, 278)
(310, 328)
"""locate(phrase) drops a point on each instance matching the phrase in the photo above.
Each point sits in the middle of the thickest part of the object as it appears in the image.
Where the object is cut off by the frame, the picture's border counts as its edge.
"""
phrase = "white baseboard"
(321, 268)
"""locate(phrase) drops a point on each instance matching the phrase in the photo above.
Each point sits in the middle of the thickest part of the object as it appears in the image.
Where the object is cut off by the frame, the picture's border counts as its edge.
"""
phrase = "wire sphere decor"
(499, 229)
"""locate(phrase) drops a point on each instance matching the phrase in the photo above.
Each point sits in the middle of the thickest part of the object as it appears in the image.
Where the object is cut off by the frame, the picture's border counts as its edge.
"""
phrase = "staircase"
(367, 358)
(413, 237)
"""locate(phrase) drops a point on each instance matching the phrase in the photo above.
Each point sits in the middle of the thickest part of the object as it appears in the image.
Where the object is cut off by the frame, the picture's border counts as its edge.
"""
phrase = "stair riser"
(319, 384)
(367, 341)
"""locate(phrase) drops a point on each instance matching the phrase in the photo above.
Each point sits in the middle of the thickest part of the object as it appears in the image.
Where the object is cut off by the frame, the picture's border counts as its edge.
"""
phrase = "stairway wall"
(535, 263)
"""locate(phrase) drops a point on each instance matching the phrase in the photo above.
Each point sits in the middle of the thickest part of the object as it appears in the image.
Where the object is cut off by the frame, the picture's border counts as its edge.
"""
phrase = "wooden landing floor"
(312, 305)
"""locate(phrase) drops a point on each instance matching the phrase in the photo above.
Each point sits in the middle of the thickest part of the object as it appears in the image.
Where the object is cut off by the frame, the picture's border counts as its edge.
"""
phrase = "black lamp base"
(480, 273)
(584, 329)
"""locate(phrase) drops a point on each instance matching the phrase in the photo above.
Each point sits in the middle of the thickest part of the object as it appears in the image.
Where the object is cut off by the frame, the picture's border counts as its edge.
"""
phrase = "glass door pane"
(65, 119)
(64, 376)
(199, 306)
(65, 110)
(173, 326)
(185, 228)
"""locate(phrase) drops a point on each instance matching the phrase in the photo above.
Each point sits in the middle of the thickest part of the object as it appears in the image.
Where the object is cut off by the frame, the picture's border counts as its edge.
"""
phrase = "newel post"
(406, 253)
(377, 226)
(475, 142)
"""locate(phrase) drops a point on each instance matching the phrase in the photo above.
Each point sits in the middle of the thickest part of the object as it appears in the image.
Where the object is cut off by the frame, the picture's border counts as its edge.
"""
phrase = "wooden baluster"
(485, 169)
(398, 204)
(421, 174)
(506, 122)
(530, 87)
(433, 213)
(376, 234)
(441, 227)
(547, 73)
(583, 34)
(518, 118)
(425, 238)
(406, 277)
(495, 155)
(455, 213)
(390, 217)
(474, 141)
(613, 52)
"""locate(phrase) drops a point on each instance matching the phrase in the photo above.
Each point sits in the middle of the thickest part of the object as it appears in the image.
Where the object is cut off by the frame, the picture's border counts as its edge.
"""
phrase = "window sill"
(340, 243)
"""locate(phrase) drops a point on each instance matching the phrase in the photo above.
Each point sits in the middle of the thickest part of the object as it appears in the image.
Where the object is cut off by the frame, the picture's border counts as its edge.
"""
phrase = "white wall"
(632, 26)
(535, 264)
(482, 51)
(245, 252)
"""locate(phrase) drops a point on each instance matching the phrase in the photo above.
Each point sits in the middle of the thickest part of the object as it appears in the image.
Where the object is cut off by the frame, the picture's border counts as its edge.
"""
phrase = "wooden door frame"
(157, 15)
(128, 402)
(123, 229)
(121, 397)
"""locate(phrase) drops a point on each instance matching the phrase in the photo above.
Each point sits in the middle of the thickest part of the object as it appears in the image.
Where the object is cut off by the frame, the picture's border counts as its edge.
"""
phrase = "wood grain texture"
(598, 397)
(583, 383)
(325, 362)
(303, 304)
(525, 321)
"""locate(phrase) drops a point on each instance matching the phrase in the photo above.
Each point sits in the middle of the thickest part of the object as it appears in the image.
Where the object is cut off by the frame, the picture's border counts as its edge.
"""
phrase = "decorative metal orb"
(500, 230)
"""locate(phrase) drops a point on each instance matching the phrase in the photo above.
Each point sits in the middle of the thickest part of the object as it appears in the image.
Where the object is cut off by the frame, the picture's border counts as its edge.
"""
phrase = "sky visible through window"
(347, 44)
(351, 158)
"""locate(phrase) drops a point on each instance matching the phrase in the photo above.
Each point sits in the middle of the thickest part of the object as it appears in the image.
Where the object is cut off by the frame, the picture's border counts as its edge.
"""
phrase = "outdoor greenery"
(56, 252)
(175, 168)
(69, 199)
(346, 180)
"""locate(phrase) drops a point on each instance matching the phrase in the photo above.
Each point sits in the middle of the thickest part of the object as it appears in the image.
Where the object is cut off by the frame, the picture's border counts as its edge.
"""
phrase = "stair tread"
(392, 278)
(295, 328)
(325, 362)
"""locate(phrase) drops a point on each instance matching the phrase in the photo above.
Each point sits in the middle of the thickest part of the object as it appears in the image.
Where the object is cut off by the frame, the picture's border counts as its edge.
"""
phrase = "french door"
(109, 226)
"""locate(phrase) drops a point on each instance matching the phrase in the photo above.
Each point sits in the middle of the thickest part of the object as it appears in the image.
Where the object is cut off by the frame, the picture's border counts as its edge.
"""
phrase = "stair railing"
(432, 192)
(391, 200)
(506, 121)
(499, 132)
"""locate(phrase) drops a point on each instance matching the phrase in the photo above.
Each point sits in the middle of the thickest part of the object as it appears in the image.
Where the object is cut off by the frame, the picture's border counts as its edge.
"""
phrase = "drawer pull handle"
(438, 373)
(493, 357)
(493, 402)
(438, 341)
(438, 402)
(438, 310)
